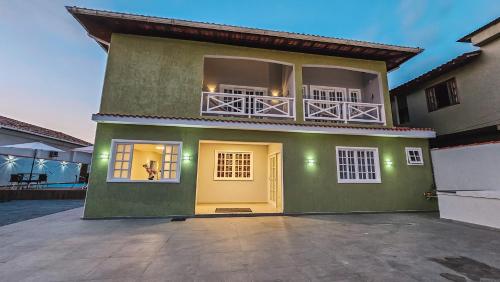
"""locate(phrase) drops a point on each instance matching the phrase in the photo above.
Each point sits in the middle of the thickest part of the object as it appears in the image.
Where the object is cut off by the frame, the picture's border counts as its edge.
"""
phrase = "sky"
(51, 72)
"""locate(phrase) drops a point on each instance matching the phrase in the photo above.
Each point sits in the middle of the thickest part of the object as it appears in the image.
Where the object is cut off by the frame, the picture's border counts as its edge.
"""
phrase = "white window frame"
(233, 178)
(111, 163)
(376, 163)
(415, 149)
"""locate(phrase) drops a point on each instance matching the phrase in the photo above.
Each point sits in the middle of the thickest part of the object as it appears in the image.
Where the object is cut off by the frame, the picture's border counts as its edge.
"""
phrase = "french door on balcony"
(250, 107)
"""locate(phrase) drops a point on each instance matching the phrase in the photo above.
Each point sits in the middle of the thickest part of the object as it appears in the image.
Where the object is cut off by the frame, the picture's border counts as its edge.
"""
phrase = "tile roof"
(17, 125)
(271, 122)
(100, 24)
(457, 62)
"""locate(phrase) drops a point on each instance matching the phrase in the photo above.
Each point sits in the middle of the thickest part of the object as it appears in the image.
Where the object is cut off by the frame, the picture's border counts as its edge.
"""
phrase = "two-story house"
(200, 118)
(459, 99)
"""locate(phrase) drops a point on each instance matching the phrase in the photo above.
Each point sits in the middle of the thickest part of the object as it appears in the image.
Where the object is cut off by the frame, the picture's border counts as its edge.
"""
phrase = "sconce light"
(186, 157)
(310, 162)
(388, 162)
(41, 162)
(104, 156)
(11, 160)
(275, 93)
(211, 88)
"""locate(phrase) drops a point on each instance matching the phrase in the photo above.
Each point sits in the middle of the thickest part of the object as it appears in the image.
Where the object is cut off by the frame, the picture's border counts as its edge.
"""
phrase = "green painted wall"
(159, 76)
(306, 188)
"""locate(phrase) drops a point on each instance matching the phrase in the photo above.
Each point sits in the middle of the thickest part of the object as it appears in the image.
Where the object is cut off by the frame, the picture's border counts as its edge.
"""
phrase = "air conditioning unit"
(53, 154)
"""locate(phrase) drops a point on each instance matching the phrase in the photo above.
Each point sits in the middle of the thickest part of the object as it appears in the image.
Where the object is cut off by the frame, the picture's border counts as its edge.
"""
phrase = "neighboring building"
(459, 99)
(62, 167)
(200, 118)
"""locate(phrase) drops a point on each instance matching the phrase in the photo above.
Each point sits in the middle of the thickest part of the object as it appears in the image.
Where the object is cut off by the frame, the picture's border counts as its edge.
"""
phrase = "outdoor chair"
(15, 179)
(42, 178)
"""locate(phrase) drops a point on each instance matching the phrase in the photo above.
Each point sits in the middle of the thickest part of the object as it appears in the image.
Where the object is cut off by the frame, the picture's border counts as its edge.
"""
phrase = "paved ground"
(15, 211)
(382, 247)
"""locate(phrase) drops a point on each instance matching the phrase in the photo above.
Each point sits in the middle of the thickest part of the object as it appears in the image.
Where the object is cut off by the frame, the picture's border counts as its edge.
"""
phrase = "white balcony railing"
(213, 103)
(343, 111)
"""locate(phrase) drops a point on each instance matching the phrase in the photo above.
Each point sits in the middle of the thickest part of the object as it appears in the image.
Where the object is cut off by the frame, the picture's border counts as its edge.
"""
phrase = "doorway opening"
(239, 178)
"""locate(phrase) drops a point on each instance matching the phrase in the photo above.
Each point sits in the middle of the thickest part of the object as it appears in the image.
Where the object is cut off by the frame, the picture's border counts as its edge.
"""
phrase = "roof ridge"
(14, 124)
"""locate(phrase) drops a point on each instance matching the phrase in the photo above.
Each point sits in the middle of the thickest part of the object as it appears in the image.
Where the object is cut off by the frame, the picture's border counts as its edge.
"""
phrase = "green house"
(199, 118)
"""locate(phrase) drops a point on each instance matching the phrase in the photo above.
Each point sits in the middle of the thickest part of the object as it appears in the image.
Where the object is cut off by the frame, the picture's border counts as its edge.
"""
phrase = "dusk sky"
(51, 72)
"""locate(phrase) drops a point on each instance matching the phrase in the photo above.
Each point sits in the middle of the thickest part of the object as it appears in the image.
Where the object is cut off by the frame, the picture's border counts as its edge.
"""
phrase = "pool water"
(64, 186)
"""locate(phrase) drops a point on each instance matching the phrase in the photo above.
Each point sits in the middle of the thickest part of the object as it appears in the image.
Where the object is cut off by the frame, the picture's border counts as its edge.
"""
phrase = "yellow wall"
(231, 191)
(140, 158)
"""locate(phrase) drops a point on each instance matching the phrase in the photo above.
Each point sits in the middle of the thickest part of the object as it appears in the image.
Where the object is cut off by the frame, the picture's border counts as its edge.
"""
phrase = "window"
(414, 156)
(233, 165)
(144, 161)
(404, 114)
(357, 165)
(442, 95)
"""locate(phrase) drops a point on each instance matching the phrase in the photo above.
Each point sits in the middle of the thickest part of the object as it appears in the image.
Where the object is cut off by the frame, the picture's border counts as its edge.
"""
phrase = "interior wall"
(336, 77)
(231, 191)
(245, 73)
(139, 159)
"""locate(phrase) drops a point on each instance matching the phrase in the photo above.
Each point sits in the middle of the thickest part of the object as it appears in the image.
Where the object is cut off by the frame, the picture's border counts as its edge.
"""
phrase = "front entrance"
(239, 177)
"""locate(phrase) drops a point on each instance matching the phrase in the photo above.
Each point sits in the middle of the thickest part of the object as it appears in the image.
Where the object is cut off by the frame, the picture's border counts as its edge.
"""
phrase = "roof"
(467, 38)
(20, 126)
(266, 125)
(101, 24)
(415, 83)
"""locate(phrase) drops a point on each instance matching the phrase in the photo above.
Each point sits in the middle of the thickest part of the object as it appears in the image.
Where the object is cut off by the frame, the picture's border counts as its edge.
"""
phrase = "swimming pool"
(64, 186)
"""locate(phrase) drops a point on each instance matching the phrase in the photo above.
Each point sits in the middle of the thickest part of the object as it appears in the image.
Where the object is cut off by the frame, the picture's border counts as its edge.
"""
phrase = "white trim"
(249, 59)
(111, 162)
(416, 149)
(233, 171)
(362, 181)
(196, 123)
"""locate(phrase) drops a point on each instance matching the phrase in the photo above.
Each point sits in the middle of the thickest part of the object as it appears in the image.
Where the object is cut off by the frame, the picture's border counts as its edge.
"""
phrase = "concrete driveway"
(370, 247)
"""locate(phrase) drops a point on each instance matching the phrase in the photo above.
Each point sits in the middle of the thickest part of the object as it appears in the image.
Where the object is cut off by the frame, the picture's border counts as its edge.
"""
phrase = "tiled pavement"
(15, 211)
(370, 247)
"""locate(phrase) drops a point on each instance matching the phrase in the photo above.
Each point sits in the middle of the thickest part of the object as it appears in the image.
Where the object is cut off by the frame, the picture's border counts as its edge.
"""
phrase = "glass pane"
(173, 174)
(119, 156)
(118, 165)
(125, 165)
(175, 149)
(168, 158)
(168, 149)
(166, 174)
(116, 174)
(119, 148)
(127, 148)
(126, 156)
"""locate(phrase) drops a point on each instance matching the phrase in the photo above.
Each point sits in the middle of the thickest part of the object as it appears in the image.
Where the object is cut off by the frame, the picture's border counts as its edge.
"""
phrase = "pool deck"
(363, 247)
(21, 210)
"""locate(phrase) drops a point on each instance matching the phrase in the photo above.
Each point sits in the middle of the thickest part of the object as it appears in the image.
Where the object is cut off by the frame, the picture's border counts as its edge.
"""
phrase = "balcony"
(244, 105)
(343, 111)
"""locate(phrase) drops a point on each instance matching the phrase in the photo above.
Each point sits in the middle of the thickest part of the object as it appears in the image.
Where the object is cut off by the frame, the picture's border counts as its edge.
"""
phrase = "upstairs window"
(233, 165)
(414, 156)
(442, 95)
(358, 165)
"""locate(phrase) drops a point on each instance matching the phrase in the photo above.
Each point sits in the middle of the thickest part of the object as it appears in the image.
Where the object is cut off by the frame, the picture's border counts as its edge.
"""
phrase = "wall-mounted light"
(211, 88)
(388, 162)
(11, 160)
(275, 93)
(186, 157)
(41, 162)
(310, 161)
(104, 156)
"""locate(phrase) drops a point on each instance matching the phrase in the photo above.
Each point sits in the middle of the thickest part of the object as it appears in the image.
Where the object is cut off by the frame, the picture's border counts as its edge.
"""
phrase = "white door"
(273, 179)
(354, 95)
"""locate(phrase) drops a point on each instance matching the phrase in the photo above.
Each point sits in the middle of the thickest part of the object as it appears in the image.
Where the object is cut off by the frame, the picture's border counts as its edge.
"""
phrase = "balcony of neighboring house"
(342, 95)
(251, 88)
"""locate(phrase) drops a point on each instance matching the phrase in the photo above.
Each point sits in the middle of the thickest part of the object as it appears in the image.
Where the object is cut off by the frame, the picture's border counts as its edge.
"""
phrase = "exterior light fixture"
(11, 160)
(104, 156)
(186, 157)
(388, 162)
(64, 163)
(311, 162)
(211, 88)
(275, 93)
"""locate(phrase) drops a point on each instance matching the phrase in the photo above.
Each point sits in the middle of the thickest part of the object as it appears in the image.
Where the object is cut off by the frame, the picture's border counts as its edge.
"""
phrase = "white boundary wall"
(472, 167)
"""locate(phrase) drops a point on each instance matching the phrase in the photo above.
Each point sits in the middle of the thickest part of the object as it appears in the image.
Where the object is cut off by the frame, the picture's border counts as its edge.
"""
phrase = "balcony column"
(299, 106)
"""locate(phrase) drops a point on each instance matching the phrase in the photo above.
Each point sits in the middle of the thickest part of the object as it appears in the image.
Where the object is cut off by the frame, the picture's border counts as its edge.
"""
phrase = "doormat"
(232, 210)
